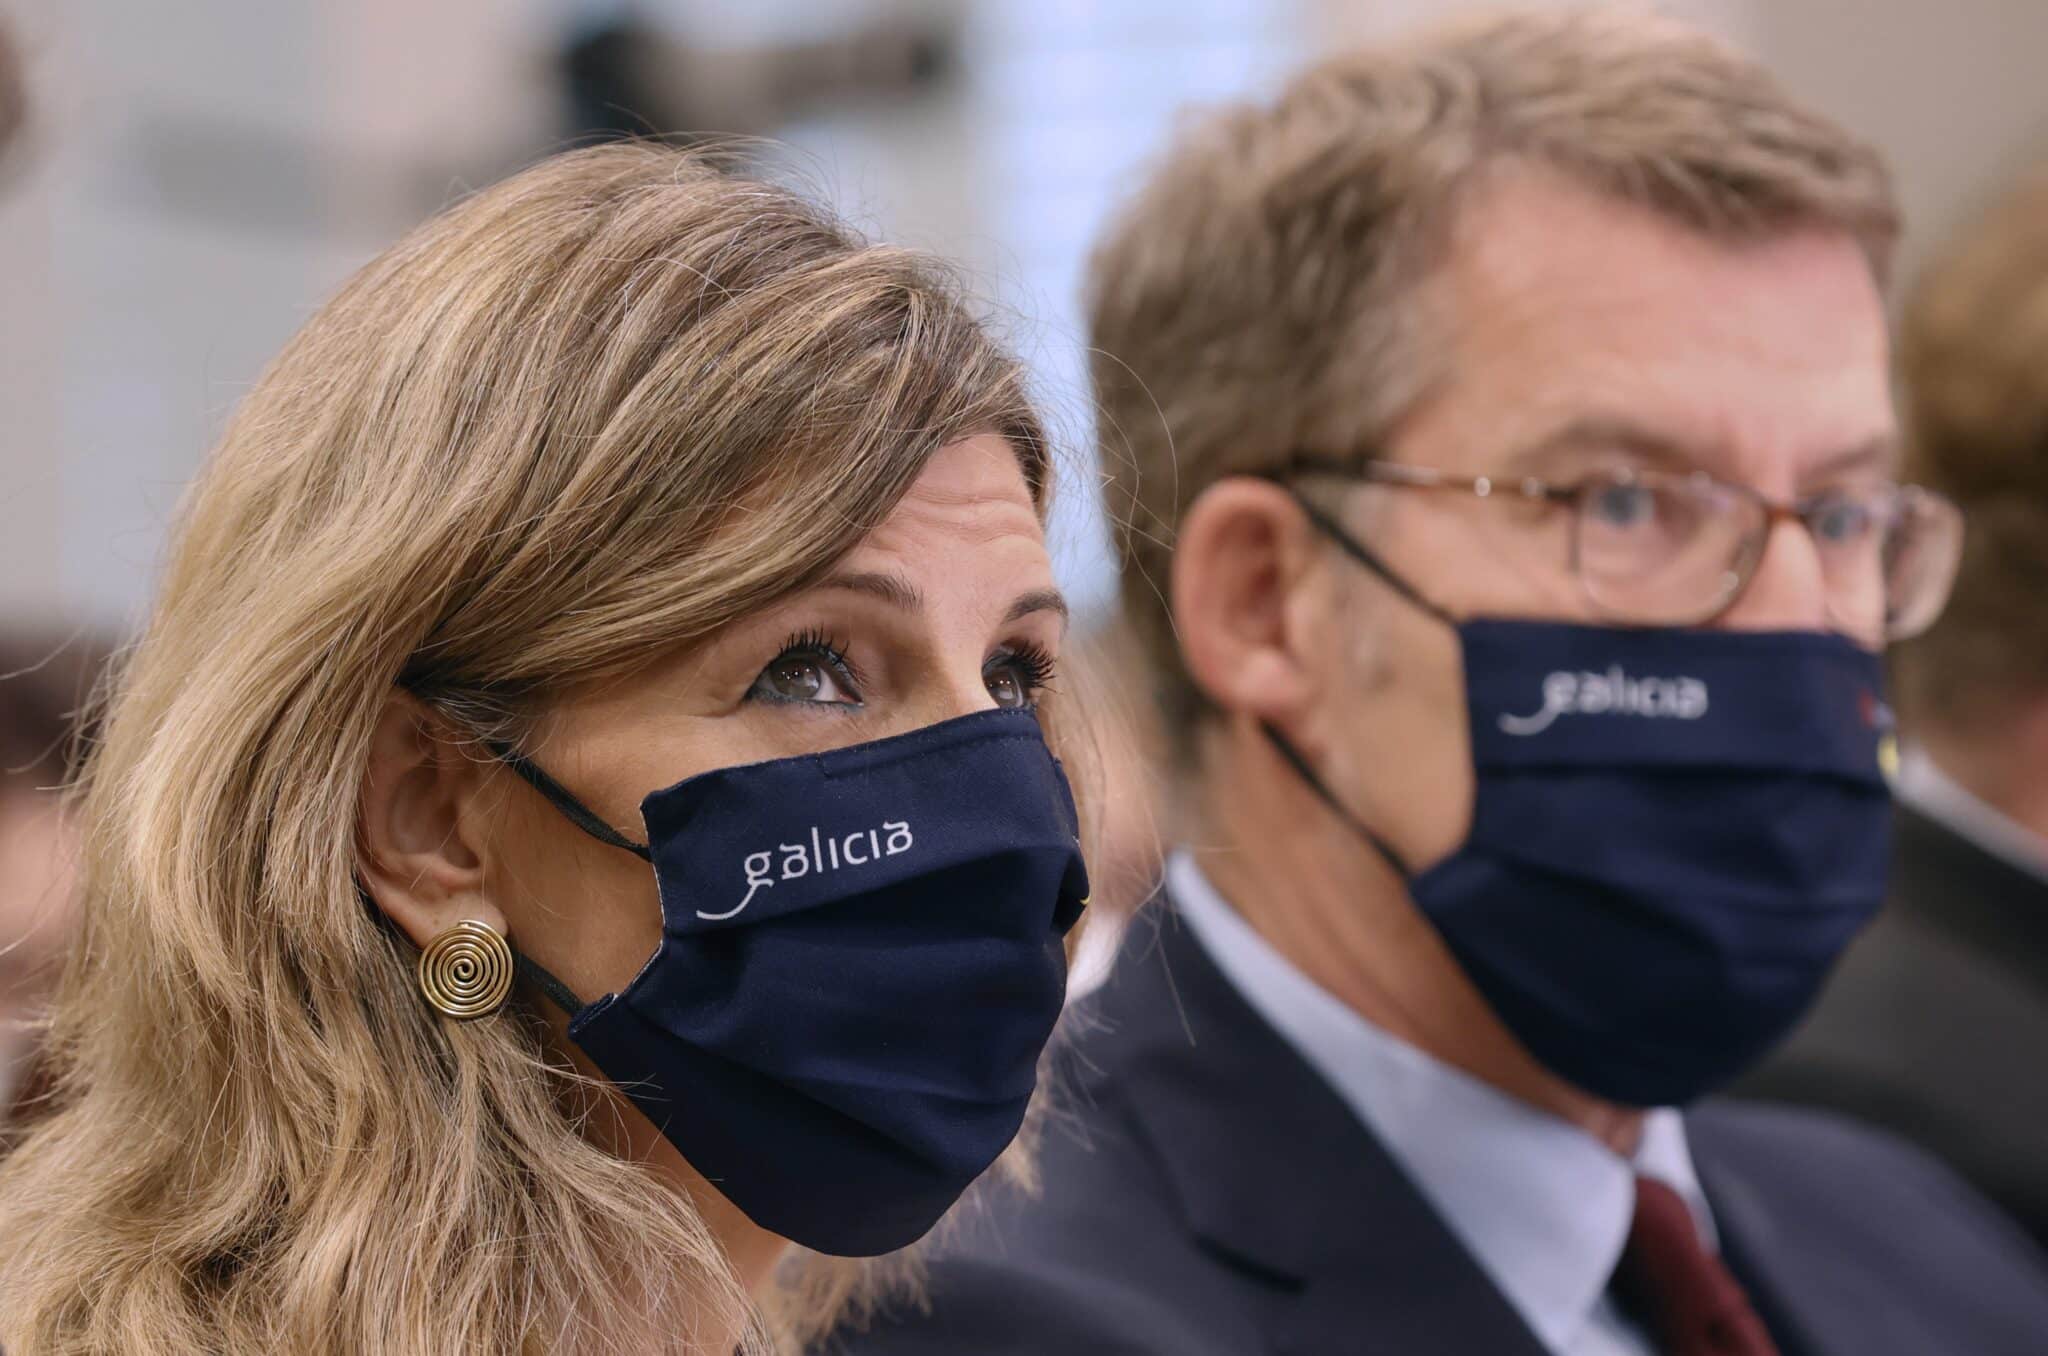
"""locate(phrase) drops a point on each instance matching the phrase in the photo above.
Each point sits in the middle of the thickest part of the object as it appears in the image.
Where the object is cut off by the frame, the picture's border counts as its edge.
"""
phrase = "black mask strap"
(531, 971)
(572, 809)
(1358, 826)
(1358, 551)
(579, 814)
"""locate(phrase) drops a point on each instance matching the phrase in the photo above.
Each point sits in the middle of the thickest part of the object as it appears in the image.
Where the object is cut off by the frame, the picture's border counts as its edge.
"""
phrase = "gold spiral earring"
(466, 970)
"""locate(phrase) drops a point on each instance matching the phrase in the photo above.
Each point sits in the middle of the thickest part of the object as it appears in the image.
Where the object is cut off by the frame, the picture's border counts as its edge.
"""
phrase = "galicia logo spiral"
(466, 971)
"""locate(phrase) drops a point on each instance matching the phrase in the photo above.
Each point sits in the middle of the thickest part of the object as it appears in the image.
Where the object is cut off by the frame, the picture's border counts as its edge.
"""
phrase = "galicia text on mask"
(1610, 693)
(826, 853)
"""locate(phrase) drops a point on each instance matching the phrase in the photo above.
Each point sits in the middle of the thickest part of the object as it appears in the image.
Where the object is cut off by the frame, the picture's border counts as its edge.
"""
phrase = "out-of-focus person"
(1936, 1024)
(1502, 433)
(46, 680)
(13, 91)
(35, 846)
(1106, 672)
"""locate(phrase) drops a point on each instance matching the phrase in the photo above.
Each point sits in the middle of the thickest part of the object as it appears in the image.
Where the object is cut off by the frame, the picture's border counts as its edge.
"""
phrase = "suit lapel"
(1273, 1171)
(1750, 1240)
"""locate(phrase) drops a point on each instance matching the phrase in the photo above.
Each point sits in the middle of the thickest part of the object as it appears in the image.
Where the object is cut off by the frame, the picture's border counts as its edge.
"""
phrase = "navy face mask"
(860, 964)
(1675, 834)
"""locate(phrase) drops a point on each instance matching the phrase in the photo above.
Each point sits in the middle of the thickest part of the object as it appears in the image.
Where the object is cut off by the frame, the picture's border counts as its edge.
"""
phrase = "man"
(1503, 435)
(1937, 1022)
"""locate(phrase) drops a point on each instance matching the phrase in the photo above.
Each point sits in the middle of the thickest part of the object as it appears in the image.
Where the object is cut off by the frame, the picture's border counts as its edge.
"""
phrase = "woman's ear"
(1243, 556)
(416, 824)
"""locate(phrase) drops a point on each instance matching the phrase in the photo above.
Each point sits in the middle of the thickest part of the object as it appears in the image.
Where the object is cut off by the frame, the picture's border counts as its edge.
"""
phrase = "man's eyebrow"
(1674, 453)
(892, 589)
(1879, 451)
(1612, 432)
(1037, 600)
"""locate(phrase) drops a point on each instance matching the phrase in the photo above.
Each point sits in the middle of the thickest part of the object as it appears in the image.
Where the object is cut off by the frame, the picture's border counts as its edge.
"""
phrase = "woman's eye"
(1007, 686)
(813, 674)
(1015, 679)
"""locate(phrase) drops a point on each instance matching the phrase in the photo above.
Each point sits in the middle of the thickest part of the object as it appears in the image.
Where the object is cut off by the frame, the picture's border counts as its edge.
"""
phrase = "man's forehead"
(1556, 308)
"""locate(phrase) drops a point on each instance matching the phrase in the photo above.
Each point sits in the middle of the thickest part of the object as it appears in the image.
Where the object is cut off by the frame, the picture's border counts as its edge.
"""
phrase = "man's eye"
(809, 670)
(1838, 520)
(1624, 506)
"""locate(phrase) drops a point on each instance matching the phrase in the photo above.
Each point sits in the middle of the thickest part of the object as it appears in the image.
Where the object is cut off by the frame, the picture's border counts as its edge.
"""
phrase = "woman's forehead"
(973, 489)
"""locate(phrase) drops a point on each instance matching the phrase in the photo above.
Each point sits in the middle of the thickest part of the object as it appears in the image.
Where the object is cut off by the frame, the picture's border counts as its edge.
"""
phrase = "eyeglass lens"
(1658, 549)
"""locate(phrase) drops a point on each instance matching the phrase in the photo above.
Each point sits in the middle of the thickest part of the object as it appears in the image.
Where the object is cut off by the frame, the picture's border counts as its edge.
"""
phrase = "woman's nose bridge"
(951, 685)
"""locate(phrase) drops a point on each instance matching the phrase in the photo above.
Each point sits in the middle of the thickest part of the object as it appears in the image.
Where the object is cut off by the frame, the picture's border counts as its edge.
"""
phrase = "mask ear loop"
(558, 795)
(577, 813)
(1331, 528)
(1293, 758)
(559, 993)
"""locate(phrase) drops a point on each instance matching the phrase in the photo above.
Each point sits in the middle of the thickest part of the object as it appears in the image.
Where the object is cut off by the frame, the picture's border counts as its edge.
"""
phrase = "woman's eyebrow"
(892, 589)
(1037, 600)
(900, 592)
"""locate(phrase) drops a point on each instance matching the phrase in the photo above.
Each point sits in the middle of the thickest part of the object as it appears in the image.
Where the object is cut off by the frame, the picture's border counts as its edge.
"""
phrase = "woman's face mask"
(861, 961)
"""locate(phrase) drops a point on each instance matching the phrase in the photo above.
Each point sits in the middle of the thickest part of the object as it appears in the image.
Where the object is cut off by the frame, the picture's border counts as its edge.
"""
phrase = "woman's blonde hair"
(587, 416)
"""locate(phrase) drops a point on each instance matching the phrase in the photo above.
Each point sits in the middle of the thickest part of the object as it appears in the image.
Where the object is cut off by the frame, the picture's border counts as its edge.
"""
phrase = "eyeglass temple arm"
(1359, 552)
(1403, 476)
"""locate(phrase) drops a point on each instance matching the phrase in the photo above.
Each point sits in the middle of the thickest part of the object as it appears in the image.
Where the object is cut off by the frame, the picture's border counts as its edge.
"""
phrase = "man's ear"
(1244, 563)
(417, 822)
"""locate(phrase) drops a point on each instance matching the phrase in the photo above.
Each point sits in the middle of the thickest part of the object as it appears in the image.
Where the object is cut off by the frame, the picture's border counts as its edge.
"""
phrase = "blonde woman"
(578, 820)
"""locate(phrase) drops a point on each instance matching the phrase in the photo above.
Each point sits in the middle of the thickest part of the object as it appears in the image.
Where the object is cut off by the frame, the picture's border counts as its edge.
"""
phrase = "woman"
(578, 817)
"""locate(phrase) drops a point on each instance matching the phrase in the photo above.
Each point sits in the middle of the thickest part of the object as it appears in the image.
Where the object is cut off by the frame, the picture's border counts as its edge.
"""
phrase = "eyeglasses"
(1657, 548)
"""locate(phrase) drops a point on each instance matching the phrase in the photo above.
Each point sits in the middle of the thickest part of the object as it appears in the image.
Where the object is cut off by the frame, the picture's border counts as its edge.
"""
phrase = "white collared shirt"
(1938, 796)
(1542, 1206)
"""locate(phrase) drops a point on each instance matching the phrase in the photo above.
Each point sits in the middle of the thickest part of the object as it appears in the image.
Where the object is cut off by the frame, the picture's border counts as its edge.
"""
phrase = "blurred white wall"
(197, 177)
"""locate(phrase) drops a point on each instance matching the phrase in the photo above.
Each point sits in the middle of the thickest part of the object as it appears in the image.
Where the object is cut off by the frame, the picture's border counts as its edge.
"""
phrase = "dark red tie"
(1689, 1302)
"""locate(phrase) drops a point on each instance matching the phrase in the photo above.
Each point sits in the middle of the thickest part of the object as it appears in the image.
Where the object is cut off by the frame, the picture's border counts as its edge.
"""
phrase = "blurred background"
(196, 177)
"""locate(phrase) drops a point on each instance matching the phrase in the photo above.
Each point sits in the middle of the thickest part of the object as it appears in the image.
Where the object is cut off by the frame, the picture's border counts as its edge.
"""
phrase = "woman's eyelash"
(819, 643)
(1033, 661)
(1034, 666)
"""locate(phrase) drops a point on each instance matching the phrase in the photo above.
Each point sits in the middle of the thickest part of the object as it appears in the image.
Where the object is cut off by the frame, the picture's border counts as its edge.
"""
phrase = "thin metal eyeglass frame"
(1741, 570)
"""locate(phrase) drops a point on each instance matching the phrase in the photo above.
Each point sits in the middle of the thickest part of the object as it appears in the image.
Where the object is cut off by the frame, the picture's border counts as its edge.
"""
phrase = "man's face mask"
(861, 961)
(1676, 833)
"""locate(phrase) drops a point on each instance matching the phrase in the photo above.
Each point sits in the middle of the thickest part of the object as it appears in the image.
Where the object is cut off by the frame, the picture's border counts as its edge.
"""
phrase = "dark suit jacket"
(1936, 1024)
(1209, 1194)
